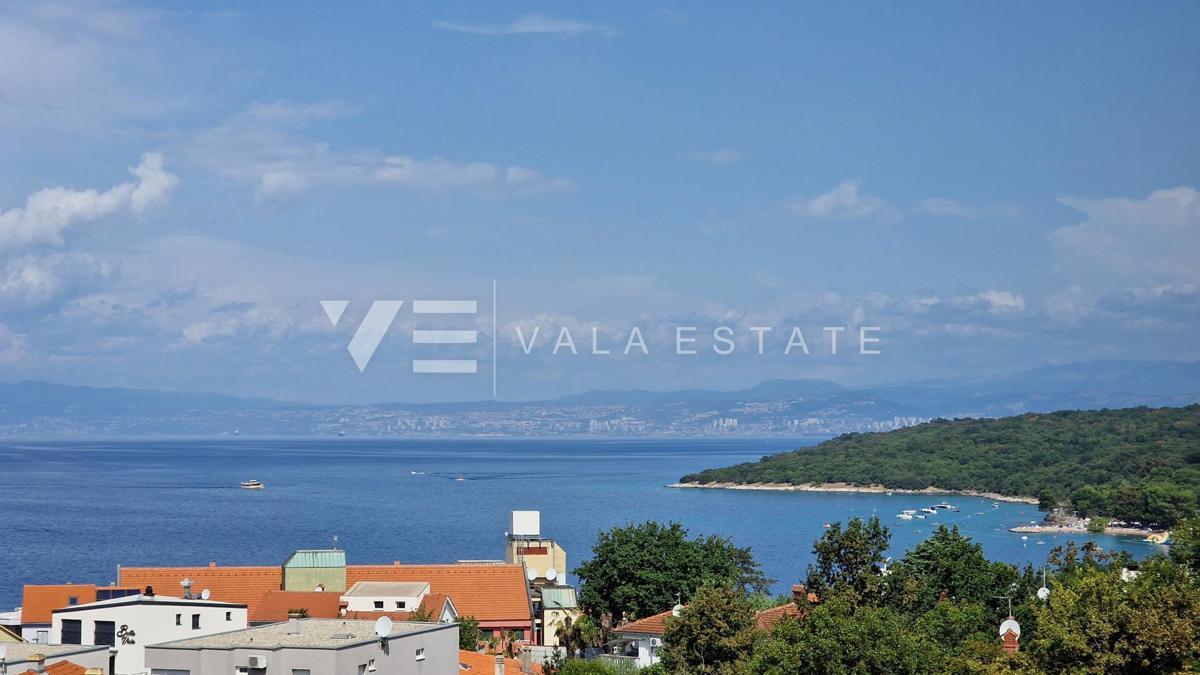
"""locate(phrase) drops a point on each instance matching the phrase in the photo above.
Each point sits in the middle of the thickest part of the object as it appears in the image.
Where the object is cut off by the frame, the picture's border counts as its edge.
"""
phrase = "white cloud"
(718, 156)
(530, 24)
(1003, 301)
(50, 212)
(264, 146)
(940, 206)
(843, 202)
(31, 281)
(12, 346)
(1157, 237)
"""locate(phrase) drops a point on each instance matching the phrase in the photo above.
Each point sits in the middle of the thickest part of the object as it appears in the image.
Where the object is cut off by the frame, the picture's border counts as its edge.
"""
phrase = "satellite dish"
(1043, 593)
(1010, 625)
(383, 627)
(3, 652)
(551, 574)
(676, 610)
(205, 594)
(530, 574)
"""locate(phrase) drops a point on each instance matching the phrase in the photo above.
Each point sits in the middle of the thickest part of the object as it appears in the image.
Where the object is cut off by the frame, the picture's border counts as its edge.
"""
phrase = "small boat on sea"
(460, 477)
(827, 526)
(904, 516)
(929, 510)
(252, 485)
(943, 505)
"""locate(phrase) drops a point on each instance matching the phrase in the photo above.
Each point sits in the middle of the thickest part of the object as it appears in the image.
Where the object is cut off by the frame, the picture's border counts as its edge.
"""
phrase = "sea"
(74, 510)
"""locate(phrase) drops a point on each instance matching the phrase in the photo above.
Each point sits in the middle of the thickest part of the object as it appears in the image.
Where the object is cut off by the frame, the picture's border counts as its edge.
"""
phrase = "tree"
(468, 633)
(947, 566)
(847, 559)
(838, 638)
(1095, 622)
(712, 634)
(578, 634)
(1186, 548)
(640, 570)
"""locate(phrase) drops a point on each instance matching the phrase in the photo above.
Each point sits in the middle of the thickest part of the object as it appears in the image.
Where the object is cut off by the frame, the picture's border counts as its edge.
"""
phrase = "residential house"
(40, 600)
(557, 607)
(314, 646)
(475, 663)
(130, 623)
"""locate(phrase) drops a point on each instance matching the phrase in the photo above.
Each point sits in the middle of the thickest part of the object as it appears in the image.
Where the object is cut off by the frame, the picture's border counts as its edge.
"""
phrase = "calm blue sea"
(74, 510)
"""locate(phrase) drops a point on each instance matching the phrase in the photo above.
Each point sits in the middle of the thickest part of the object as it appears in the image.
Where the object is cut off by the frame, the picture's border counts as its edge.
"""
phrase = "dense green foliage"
(713, 634)
(468, 633)
(640, 570)
(1136, 464)
(936, 610)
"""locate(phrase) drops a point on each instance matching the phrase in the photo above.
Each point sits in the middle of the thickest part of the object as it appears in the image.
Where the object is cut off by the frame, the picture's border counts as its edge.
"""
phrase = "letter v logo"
(370, 332)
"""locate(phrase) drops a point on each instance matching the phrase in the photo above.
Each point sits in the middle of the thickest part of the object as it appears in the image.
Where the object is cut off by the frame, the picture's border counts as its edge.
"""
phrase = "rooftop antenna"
(1043, 593)
(335, 542)
(187, 588)
(1009, 599)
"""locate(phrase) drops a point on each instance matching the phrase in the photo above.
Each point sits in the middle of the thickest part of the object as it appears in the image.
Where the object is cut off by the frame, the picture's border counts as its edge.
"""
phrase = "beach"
(846, 487)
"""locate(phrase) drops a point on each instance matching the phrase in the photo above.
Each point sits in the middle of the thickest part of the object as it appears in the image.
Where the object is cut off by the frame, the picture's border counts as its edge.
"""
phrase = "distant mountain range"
(772, 408)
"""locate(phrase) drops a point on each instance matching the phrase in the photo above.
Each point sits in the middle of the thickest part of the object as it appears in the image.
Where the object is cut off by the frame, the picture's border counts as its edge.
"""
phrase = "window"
(229, 616)
(421, 654)
(371, 666)
(195, 622)
(106, 633)
(43, 637)
(72, 632)
(72, 600)
(178, 619)
(378, 604)
(301, 671)
(400, 604)
(362, 668)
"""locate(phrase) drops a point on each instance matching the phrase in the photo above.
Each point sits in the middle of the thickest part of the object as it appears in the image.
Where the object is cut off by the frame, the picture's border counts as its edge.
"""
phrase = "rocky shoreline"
(847, 487)
(1075, 529)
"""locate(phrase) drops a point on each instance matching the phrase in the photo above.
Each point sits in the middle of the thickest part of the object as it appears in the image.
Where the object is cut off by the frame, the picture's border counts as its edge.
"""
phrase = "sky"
(982, 187)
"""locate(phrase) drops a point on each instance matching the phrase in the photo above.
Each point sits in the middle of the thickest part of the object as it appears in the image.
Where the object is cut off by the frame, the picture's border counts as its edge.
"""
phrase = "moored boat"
(252, 485)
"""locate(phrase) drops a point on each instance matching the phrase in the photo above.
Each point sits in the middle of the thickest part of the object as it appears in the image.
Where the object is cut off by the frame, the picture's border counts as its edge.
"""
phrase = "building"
(385, 596)
(8, 635)
(643, 638)
(130, 623)
(495, 594)
(18, 658)
(40, 600)
(544, 560)
(556, 607)
(64, 668)
(314, 647)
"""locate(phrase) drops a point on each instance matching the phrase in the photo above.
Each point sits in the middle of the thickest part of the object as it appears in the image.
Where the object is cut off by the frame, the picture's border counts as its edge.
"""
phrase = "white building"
(314, 647)
(385, 596)
(130, 623)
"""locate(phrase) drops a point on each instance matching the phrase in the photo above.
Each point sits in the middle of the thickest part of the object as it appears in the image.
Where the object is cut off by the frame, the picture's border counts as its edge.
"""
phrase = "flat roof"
(403, 589)
(313, 634)
(19, 652)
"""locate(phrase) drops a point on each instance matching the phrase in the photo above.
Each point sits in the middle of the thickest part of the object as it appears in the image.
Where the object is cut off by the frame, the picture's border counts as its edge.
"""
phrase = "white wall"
(151, 622)
(366, 603)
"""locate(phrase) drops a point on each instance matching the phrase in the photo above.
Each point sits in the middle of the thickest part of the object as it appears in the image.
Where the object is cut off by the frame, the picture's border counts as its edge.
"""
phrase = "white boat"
(943, 505)
(909, 511)
(252, 485)
(904, 516)
(929, 510)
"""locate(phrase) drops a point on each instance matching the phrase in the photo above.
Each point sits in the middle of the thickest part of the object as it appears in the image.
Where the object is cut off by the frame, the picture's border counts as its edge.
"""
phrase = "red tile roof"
(60, 668)
(486, 592)
(273, 606)
(475, 663)
(40, 601)
(243, 585)
(767, 618)
(651, 625)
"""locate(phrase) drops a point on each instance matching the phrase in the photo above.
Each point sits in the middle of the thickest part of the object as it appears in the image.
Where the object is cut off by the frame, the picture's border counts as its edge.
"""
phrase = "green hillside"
(1136, 464)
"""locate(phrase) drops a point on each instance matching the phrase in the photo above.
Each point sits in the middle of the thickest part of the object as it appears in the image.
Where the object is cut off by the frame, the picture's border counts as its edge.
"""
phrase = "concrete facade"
(314, 647)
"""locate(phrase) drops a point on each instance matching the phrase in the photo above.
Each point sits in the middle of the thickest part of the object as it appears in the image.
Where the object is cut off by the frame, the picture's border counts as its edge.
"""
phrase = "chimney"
(39, 662)
(798, 595)
(1010, 642)
(212, 563)
(293, 626)
(499, 664)
(149, 592)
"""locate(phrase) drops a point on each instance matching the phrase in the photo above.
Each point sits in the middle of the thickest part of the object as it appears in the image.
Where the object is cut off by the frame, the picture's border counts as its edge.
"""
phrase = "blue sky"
(995, 186)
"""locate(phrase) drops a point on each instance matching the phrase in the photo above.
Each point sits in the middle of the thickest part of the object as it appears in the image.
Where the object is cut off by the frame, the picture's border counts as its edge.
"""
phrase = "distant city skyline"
(994, 188)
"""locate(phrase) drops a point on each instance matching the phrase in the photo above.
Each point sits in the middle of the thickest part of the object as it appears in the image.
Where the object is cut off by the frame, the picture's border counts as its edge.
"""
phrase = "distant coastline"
(1075, 529)
(847, 487)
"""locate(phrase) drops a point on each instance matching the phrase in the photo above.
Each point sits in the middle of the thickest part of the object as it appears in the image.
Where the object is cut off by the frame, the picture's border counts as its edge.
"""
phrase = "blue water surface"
(75, 510)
